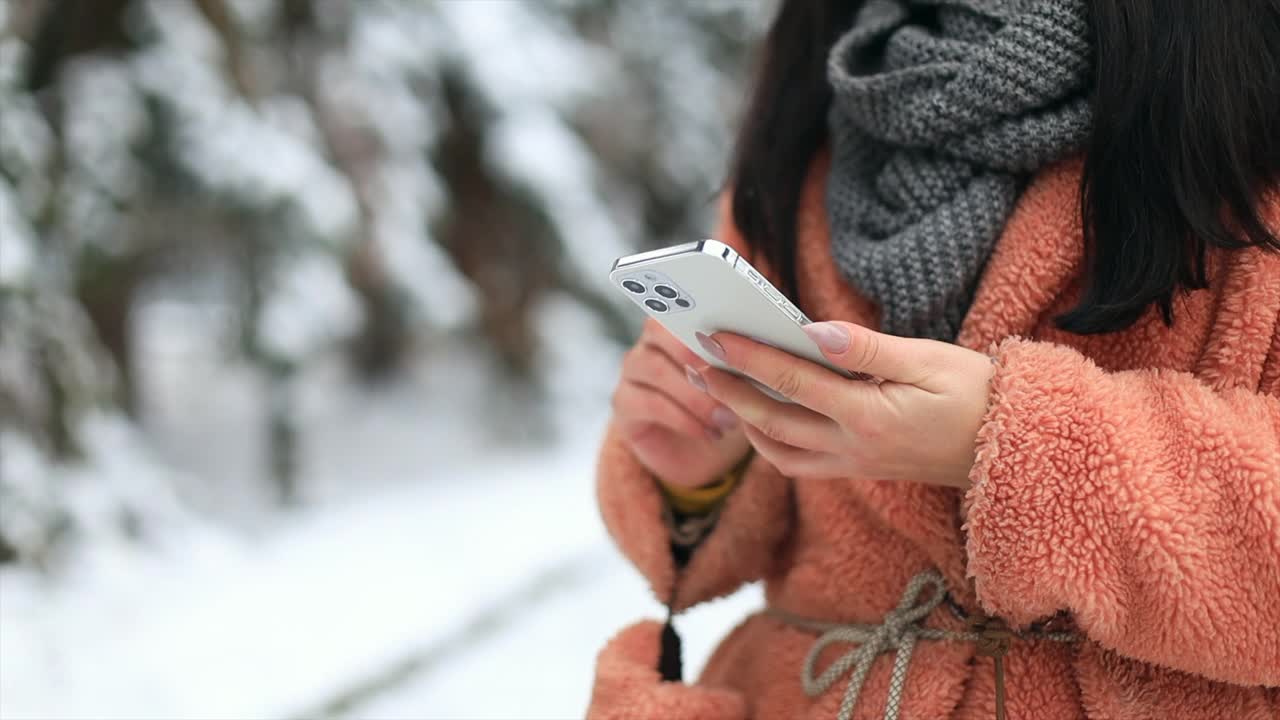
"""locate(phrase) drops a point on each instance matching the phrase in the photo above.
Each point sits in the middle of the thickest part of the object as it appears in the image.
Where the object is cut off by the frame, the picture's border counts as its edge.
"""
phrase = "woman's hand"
(682, 435)
(919, 424)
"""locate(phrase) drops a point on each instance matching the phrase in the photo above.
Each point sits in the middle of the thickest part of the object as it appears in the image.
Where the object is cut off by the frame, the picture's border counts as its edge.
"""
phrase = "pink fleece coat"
(1130, 479)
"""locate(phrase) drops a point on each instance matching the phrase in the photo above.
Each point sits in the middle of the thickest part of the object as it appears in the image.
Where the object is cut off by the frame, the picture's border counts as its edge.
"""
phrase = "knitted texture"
(942, 109)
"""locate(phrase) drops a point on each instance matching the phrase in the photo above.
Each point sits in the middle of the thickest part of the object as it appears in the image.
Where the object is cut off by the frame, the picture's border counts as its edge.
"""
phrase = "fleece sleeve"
(752, 523)
(1144, 502)
(628, 687)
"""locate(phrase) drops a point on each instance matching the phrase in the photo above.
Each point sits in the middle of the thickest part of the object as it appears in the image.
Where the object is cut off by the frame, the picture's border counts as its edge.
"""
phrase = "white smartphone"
(706, 287)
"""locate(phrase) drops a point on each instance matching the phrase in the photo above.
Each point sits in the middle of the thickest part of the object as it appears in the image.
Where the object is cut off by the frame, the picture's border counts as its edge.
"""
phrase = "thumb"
(889, 357)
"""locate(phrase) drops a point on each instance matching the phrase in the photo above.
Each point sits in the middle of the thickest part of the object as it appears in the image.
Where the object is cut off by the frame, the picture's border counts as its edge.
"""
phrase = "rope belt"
(900, 630)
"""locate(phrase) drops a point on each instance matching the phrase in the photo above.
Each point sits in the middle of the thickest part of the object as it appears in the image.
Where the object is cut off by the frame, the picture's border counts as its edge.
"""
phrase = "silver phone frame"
(742, 268)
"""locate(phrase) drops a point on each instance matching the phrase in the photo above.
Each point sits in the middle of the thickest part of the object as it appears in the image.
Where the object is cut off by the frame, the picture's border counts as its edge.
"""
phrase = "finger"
(784, 422)
(788, 459)
(652, 443)
(673, 346)
(897, 359)
(635, 404)
(648, 365)
(794, 378)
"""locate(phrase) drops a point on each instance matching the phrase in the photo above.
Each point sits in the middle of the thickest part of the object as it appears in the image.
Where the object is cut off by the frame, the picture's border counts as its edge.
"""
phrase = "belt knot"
(899, 631)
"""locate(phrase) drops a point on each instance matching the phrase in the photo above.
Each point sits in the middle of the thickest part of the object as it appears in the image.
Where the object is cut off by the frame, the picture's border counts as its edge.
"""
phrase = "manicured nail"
(829, 336)
(695, 378)
(709, 344)
(724, 418)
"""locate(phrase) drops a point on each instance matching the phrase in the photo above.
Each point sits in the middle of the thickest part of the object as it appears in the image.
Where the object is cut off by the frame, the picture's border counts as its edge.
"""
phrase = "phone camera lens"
(656, 305)
(665, 291)
(681, 302)
(633, 286)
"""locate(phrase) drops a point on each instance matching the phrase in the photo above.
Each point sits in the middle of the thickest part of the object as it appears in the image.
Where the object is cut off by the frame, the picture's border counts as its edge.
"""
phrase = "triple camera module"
(657, 293)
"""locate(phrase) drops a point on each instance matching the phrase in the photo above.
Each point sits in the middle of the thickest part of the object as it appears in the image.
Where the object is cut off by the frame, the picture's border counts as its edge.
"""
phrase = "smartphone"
(706, 287)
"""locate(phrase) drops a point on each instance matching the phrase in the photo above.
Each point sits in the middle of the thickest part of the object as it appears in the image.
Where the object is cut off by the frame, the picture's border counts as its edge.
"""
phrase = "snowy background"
(306, 345)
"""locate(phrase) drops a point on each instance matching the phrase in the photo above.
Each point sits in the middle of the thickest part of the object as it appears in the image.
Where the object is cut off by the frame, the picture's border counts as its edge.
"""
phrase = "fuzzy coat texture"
(1129, 479)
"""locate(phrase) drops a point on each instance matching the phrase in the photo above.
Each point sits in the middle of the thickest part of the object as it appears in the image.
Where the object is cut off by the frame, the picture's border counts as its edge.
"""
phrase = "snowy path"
(540, 667)
(430, 563)
(401, 605)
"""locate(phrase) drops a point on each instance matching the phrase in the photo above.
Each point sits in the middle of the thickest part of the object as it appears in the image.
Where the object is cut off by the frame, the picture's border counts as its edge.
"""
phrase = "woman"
(1049, 227)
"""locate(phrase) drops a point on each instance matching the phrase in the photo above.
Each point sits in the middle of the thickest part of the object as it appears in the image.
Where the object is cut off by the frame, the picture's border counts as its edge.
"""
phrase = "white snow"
(535, 148)
(382, 85)
(119, 472)
(105, 119)
(417, 263)
(229, 145)
(264, 628)
(425, 546)
(16, 255)
(26, 142)
(542, 668)
(446, 533)
(26, 492)
(309, 309)
(215, 626)
(518, 56)
(235, 151)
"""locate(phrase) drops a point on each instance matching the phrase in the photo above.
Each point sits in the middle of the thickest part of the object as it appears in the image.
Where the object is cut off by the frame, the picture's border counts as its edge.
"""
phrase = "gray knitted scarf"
(942, 110)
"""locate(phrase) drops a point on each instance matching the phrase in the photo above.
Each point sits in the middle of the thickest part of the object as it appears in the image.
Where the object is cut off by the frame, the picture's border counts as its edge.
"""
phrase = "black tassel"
(670, 664)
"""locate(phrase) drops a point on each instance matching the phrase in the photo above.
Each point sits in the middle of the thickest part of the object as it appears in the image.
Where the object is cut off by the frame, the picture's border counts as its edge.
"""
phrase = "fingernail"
(695, 378)
(830, 337)
(709, 344)
(724, 418)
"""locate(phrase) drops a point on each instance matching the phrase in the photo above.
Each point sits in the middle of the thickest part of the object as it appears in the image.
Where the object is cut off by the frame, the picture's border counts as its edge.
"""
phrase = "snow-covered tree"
(365, 177)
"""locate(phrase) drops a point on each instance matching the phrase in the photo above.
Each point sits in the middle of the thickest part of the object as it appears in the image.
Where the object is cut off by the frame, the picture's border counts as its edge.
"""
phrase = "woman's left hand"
(919, 424)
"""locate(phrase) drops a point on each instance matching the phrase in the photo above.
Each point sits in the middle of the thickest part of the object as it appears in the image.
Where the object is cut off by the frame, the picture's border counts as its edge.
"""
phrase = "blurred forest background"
(293, 293)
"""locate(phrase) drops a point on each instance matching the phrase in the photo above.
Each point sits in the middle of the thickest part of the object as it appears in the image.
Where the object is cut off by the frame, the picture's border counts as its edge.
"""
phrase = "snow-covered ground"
(433, 572)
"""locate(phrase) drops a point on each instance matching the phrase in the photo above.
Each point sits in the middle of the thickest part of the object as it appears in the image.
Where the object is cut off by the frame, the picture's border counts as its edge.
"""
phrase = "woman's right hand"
(677, 431)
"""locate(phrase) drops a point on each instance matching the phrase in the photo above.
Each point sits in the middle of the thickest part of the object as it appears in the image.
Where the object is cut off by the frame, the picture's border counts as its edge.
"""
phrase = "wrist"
(697, 500)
